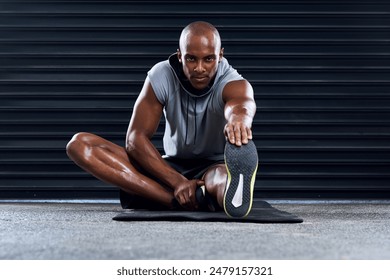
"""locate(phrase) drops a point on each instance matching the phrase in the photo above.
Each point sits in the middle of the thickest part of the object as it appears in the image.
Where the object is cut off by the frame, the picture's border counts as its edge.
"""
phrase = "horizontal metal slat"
(120, 75)
(181, 19)
(167, 6)
(120, 34)
(238, 59)
(283, 46)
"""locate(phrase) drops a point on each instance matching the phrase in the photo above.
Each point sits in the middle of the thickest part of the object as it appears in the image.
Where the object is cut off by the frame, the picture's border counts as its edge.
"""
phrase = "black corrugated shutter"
(320, 70)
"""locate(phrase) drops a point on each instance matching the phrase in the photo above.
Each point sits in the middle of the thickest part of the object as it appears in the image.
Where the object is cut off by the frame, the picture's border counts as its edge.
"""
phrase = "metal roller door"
(320, 70)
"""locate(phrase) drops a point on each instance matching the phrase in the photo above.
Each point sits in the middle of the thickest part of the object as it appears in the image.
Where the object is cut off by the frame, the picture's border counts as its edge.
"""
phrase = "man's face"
(199, 56)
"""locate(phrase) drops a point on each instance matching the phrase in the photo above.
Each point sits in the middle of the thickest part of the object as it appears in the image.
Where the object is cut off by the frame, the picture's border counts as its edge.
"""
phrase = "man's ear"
(178, 55)
(221, 54)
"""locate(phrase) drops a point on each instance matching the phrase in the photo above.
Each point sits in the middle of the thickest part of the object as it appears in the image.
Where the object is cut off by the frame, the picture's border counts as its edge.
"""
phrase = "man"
(207, 105)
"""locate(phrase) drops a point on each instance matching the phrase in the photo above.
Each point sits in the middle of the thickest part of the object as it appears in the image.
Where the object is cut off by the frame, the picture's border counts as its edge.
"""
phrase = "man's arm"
(240, 108)
(143, 124)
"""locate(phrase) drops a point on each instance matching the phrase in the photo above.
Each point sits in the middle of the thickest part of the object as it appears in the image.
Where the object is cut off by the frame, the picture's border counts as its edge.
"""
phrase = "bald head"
(200, 29)
(200, 53)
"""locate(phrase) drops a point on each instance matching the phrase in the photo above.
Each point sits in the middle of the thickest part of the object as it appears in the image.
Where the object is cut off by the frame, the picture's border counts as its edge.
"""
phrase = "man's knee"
(78, 142)
(215, 182)
(215, 176)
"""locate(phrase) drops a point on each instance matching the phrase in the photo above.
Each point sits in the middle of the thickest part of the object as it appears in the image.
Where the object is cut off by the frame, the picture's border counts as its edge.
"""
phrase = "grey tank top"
(194, 123)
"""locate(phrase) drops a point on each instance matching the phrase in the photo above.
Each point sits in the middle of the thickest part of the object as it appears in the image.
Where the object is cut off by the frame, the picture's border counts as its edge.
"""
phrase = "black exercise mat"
(262, 212)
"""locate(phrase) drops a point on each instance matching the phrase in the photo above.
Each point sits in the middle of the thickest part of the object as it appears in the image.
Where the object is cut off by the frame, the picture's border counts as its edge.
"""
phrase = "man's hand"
(238, 133)
(185, 193)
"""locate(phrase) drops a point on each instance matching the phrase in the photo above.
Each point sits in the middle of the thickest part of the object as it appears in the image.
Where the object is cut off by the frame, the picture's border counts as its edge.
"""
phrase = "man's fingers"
(186, 203)
(249, 133)
(233, 134)
(187, 197)
(191, 199)
(181, 198)
(238, 133)
(200, 183)
(244, 135)
(229, 132)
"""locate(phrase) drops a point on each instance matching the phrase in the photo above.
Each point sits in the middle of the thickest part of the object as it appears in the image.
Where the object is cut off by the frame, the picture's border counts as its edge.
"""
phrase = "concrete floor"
(332, 230)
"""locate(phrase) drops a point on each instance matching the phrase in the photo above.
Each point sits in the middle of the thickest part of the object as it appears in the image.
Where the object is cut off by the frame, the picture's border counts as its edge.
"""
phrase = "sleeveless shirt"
(194, 121)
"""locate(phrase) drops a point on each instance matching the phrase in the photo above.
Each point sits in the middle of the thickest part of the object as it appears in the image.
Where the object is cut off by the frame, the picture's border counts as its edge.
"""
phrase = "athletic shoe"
(241, 164)
(205, 201)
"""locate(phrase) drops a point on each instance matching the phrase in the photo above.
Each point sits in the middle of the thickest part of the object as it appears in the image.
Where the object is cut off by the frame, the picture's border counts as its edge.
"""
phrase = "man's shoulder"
(161, 66)
(227, 73)
(163, 80)
(161, 71)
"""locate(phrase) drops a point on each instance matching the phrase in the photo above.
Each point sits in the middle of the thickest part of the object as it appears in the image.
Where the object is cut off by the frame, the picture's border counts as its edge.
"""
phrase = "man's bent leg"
(215, 182)
(109, 162)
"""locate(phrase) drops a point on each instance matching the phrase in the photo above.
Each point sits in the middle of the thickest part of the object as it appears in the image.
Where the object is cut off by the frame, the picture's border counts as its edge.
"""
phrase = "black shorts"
(192, 168)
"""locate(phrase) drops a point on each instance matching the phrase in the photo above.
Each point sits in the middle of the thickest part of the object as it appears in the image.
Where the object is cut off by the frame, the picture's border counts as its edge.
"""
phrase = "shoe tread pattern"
(240, 160)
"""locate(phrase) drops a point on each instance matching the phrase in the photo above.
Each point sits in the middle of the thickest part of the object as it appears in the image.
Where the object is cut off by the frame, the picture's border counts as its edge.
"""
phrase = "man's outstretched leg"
(110, 163)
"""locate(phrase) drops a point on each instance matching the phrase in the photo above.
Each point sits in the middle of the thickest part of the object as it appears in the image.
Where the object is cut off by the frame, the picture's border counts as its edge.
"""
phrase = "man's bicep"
(238, 93)
(147, 112)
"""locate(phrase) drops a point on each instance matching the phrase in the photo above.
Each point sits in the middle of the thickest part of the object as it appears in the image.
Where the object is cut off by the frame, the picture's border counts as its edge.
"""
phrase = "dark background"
(320, 70)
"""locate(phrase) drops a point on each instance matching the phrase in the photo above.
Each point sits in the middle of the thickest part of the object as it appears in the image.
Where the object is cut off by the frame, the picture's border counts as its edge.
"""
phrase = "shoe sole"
(241, 164)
